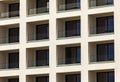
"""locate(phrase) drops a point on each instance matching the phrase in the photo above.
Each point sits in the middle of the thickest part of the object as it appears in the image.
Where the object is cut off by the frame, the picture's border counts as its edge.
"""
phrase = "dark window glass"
(103, 2)
(13, 80)
(105, 52)
(105, 24)
(78, 57)
(72, 4)
(111, 76)
(42, 31)
(72, 28)
(78, 3)
(42, 57)
(110, 1)
(13, 60)
(105, 76)
(13, 35)
(13, 9)
(42, 79)
(72, 55)
(102, 77)
(73, 78)
(42, 6)
(111, 52)
(110, 24)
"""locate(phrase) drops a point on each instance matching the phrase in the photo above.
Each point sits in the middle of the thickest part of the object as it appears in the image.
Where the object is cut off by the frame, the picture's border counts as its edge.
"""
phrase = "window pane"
(110, 51)
(101, 25)
(42, 31)
(72, 28)
(13, 60)
(111, 76)
(13, 80)
(110, 24)
(73, 55)
(102, 77)
(78, 28)
(101, 52)
(73, 78)
(101, 2)
(110, 1)
(78, 4)
(47, 57)
(13, 34)
(78, 78)
(42, 79)
(41, 57)
(13, 9)
(78, 55)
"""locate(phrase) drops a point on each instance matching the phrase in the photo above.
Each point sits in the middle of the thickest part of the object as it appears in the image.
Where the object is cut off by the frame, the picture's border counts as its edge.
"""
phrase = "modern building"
(59, 40)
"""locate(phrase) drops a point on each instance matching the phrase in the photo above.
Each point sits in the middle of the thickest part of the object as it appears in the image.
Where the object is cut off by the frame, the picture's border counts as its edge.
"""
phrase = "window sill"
(74, 64)
(62, 11)
(37, 40)
(9, 69)
(9, 18)
(102, 6)
(36, 67)
(14, 43)
(111, 33)
(101, 62)
(38, 14)
(68, 37)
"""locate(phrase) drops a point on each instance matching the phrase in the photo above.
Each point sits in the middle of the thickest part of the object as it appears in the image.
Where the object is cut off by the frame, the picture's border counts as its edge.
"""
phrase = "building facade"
(59, 41)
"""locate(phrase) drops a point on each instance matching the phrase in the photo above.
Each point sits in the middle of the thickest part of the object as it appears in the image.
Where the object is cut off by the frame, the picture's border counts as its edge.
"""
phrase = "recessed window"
(72, 55)
(99, 3)
(73, 78)
(72, 28)
(72, 4)
(42, 57)
(105, 24)
(13, 35)
(42, 79)
(105, 52)
(103, 2)
(105, 76)
(38, 30)
(42, 31)
(69, 54)
(38, 7)
(38, 57)
(42, 6)
(68, 4)
(13, 59)
(69, 27)
(13, 9)
(13, 80)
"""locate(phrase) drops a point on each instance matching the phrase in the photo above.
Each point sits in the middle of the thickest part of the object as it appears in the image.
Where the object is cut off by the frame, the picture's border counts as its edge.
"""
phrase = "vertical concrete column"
(117, 39)
(84, 42)
(52, 32)
(22, 50)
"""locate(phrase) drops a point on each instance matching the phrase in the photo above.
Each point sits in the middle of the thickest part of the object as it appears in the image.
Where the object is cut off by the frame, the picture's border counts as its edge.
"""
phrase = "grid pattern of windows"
(59, 40)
